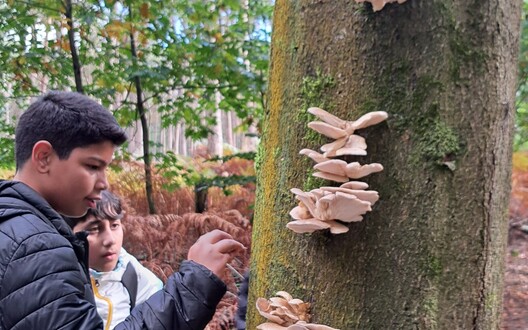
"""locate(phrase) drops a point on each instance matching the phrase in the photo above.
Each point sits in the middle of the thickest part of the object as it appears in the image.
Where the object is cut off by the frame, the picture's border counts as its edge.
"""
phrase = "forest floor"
(515, 298)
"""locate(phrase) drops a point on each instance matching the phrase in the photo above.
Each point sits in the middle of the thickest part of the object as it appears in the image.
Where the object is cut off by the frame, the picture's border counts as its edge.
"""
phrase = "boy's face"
(105, 238)
(74, 184)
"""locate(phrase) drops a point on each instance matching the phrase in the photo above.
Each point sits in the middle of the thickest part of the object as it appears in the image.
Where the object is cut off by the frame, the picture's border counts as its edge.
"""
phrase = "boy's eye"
(92, 230)
(93, 167)
(115, 225)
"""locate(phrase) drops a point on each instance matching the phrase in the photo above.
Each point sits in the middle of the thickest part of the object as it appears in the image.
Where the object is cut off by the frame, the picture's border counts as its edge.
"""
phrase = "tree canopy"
(191, 57)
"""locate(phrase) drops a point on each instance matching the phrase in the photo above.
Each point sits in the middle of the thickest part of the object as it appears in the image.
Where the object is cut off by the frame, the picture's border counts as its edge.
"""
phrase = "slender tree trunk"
(430, 255)
(215, 141)
(68, 12)
(140, 107)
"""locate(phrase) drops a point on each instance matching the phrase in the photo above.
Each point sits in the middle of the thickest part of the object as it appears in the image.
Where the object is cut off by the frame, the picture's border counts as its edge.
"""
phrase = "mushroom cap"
(307, 226)
(333, 146)
(331, 177)
(285, 295)
(340, 206)
(355, 185)
(327, 129)
(264, 309)
(355, 145)
(368, 119)
(327, 117)
(378, 5)
(313, 326)
(355, 171)
(332, 166)
(270, 326)
(337, 227)
(370, 196)
(306, 199)
(314, 155)
(301, 212)
(296, 327)
(347, 151)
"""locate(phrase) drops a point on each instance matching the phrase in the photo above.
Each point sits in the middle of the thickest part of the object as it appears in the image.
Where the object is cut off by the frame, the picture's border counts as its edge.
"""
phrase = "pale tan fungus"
(270, 326)
(331, 177)
(327, 129)
(378, 5)
(307, 226)
(368, 119)
(355, 145)
(337, 170)
(370, 196)
(301, 212)
(334, 146)
(328, 204)
(328, 207)
(327, 117)
(332, 166)
(355, 170)
(286, 313)
(312, 326)
(355, 185)
(337, 227)
(340, 206)
(314, 155)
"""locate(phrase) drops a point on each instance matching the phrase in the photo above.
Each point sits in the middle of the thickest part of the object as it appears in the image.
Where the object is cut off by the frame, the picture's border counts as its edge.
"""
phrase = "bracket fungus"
(319, 208)
(379, 4)
(330, 207)
(286, 313)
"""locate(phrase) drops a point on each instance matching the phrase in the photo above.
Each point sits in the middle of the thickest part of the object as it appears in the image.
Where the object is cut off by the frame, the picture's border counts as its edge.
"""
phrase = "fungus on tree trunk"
(286, 313)
(330, 207)
(378, 5)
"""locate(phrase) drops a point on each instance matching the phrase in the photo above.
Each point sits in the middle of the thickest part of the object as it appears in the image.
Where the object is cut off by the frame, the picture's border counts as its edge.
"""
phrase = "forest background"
(188, 81)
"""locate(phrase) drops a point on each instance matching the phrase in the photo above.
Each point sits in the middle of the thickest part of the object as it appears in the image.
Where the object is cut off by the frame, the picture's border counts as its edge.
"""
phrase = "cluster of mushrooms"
(284, 312)
(332, 207)
(379, 4)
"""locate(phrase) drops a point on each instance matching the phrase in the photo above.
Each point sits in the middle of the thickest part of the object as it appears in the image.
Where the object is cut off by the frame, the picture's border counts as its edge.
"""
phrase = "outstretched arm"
(214, 250)
(189, 299)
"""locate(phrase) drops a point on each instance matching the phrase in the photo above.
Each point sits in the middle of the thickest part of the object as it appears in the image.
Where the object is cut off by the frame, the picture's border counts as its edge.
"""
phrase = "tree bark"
(142, 113)
(430, 255)
(68, 12)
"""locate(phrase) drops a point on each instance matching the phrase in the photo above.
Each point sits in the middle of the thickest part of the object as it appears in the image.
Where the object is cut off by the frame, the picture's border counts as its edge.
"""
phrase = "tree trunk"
(430, 255)
(68, 12)
(215, 140)
(142, 113)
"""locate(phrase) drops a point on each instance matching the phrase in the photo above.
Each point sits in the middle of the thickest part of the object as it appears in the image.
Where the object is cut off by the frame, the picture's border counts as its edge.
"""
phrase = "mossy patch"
(313, 94)
(439, 143)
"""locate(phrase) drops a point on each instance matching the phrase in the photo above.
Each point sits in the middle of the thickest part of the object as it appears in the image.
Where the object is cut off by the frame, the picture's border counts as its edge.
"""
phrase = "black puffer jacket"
(44, 283)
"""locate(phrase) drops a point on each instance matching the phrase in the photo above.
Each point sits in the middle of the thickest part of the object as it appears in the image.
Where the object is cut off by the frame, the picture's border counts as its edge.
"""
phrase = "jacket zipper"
(95, 285)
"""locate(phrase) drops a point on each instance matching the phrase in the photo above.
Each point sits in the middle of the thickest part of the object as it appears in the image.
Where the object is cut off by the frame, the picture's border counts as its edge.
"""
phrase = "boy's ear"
(41, 156)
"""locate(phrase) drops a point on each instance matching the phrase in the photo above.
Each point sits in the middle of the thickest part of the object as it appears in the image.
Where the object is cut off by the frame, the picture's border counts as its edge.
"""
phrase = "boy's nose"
(102, 182)
(109, 239)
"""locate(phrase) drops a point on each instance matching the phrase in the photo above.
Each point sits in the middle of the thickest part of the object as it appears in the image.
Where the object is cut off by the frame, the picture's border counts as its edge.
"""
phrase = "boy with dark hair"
(64, 143)
(118, 280)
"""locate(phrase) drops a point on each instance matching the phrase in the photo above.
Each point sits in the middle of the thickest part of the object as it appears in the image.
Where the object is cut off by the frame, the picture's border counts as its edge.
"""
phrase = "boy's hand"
(214, 249)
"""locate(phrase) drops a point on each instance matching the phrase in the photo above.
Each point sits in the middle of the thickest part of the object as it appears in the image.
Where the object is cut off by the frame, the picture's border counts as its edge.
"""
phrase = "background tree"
(430, 255)
(155, 64)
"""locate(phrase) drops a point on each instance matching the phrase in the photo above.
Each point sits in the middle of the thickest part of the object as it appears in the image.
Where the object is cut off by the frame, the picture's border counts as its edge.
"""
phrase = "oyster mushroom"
(286, 312)
(338, 170)
(322, 205)
(337, 227)
(307, 226)
(311, 326)
(270, 326)
(314, 155)
(342, 131)
(355, 170)
(378, 5)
